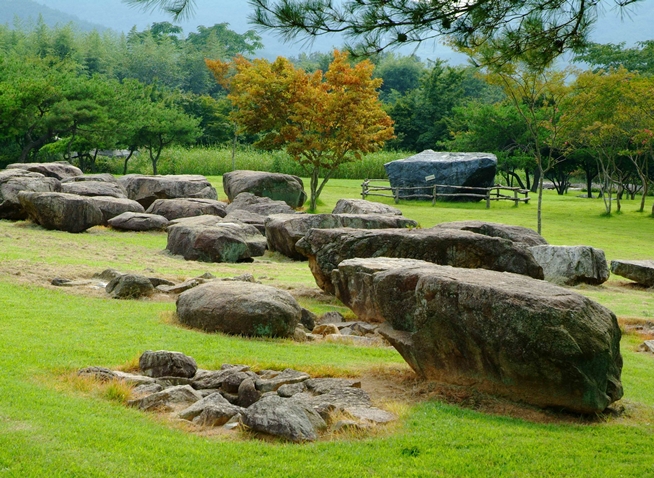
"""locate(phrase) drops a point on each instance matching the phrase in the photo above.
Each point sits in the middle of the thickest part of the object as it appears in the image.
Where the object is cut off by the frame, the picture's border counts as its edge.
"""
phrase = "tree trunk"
(538, 173)
(589, 185)
(528, 179)
(131, 152)
(314, 188)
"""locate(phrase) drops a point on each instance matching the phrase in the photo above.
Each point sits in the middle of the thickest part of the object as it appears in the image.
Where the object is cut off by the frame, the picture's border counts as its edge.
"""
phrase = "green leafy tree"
(612, 56)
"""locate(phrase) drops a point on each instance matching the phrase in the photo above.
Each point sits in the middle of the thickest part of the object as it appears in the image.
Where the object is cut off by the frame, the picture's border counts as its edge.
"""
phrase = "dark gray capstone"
(147, 189)
(516, 234)
(129, 286)
(239, 308)
(138, 221)
(361, 206)
(163, 363)
(187, 207)
(93, 188)
(428, 168)
(14, 181)
(259, 205)
(501, 333)
(61, 211)
(112, 207)
(572, 265)
(276, 186)
(641, 272)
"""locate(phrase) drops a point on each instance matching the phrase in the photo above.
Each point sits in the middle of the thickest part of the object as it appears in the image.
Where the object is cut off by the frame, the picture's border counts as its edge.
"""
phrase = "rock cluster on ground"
(288, 404)
(147, 189)
(641, 272)
(326, 248)
(501, 333)
(187, 207)
(13, 181)
(278, 187)
(572, 265)
(59, 169)
(425, 169)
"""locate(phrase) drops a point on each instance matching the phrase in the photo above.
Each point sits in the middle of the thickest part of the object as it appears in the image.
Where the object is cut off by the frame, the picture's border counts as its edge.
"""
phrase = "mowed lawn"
(51, 425)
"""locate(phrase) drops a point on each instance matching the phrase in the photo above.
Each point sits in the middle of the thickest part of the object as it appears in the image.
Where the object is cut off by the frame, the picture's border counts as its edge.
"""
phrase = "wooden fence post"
(433, 199)
(397, 195)
(488, 194)
(364, 189)
(515, 195)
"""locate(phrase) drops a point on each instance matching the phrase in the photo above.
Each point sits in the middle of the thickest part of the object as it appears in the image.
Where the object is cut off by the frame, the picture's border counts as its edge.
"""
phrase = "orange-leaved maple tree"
(321, 120)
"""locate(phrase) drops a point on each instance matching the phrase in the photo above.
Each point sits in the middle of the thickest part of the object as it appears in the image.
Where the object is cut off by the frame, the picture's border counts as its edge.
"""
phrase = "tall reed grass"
(215, 161)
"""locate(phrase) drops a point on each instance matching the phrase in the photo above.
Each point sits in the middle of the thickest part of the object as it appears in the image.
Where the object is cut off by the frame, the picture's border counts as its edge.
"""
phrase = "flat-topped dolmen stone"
(61, 211)
(201, 239)
(58, 169)
(101, 177)
(13, 181)
(112, 207)
(93, 188)
(361, 206)
(187, 207)
(501, 333)
(572, 265)
(258, 205)
(641, 272)
(284, 230)
(239, 308)
(147, 189)
(276, 186)
(327, 248)
(517, 234)
(425, 169)
(138, 221)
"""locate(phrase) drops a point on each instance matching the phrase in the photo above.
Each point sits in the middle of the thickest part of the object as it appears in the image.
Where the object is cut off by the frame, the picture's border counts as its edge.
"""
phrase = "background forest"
(71, 94)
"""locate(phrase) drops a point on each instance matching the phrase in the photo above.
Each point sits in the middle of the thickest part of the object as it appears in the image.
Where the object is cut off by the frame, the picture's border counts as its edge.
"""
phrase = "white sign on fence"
(431, 177)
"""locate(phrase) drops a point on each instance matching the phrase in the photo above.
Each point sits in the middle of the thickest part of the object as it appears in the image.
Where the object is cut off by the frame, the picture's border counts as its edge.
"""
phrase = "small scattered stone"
(372, 415)
(168, 399)
(217, 415)
(129, 286)
(232, 382)
(647, 346)
(247, 393)
(299, 335)
(198, 407)
(321, 386)
(287, 376)
(107, 275)
(291, 389)
(178, 288)
(332, 317)
(308, 319)
(146, 389)
(326, 329)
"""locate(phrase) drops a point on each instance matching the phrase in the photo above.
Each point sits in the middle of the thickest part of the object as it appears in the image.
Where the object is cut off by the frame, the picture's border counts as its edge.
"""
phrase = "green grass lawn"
(51, 427)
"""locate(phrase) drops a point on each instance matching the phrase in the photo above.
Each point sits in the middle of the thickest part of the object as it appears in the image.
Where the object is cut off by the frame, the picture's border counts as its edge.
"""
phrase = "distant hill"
(28, 11)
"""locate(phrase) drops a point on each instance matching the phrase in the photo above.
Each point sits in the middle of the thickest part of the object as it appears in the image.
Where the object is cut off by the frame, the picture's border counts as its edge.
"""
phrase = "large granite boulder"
(327, 248)
(113, 206)
(138, 221)
(451, 169)
(259, 205)
(93, 188)
(500, 333)
(13, 181)
(239, 308)
(187, 207)
(518, 234)
(571, 265)
(129, 286)
(61, 211)
(284, 230)
(215, 242)
(641, 272)
(147, 189)
(361, 206)
(278, 187)
(247, 217)
(59, 169)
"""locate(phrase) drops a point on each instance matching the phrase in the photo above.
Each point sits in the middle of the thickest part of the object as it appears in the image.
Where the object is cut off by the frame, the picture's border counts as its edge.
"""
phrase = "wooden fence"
(493, 193)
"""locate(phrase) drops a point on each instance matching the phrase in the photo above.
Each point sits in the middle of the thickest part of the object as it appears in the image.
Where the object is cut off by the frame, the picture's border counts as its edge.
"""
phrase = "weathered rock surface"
(196, 409)
(247, 217)
(61, 211)
(518, 234)
(138, 221)
(102, 177)
(169, 399)
(163, 363)
(187, 207)
(284, 230)
(112, 207)
(287, 377)
(58, 169)
(326, 248)
(147, 189)
(93, 188)
(321, 386)
(217, 415)
(221, 242)
(239, 308)
(371, 415)
(361, 206)
(13, 181)
(641, 272)
(335, 400)
(259, 205)
(452, 169)
(129, 286)
(500, 333)
(278, 187)
(571, 265)
(283, 418)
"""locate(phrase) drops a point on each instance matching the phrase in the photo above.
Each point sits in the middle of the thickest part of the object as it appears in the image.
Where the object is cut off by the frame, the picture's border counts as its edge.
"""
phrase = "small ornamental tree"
(321, 120)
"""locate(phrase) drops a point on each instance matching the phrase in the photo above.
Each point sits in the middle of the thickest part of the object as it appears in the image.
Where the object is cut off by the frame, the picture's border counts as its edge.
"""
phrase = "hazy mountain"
(27, 12)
